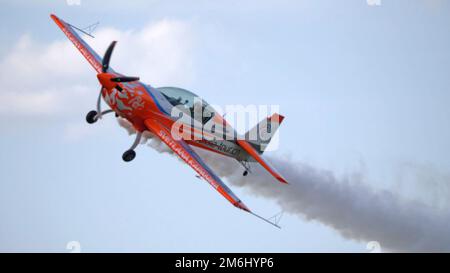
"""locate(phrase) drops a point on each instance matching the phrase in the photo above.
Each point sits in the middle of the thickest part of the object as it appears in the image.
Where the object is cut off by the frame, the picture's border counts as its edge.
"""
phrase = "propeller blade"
(107, 56)
(124, 79)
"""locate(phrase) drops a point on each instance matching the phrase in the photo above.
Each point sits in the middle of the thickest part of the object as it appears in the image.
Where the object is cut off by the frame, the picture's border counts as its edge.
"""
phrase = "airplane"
(150, 109)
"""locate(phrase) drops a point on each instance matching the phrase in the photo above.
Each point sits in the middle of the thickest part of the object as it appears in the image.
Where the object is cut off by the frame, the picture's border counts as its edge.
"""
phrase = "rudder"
(261, 135)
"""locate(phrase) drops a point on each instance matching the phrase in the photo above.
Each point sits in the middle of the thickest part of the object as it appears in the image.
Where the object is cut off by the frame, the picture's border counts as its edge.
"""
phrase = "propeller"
(105, 68)
(124, 79)
(108, 81)
(107, 57)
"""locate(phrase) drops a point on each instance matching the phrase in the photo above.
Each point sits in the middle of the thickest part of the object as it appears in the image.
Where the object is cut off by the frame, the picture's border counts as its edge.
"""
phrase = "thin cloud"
(42, 80)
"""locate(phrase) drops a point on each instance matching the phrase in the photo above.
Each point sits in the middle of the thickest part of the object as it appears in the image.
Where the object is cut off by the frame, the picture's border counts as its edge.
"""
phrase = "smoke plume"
(346, 204)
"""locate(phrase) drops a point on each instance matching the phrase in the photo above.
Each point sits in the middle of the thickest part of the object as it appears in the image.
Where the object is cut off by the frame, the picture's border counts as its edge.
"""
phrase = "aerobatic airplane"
(151, 109)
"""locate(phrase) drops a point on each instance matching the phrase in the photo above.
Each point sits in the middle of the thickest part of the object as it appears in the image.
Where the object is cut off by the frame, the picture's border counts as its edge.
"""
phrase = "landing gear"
(95, 115)
(130, 154)
(91, 117)
(246, 166)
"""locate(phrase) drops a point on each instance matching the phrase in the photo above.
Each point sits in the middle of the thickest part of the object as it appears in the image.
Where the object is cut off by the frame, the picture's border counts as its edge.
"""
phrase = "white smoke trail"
(347, 205)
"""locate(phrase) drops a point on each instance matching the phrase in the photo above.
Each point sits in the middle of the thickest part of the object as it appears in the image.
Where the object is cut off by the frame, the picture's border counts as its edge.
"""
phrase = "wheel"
(128, 155)
(90, 117)
(245, 173)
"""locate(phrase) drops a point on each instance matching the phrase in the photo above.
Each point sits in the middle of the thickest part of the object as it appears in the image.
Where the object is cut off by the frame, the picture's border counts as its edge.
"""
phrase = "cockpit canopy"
(188, 102)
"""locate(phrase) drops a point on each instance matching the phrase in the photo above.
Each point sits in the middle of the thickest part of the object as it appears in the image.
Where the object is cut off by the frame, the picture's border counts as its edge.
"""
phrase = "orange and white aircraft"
(152, 109)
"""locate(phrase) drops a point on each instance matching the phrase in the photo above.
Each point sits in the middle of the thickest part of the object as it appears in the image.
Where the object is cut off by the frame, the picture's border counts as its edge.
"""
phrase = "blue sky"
(361, 87)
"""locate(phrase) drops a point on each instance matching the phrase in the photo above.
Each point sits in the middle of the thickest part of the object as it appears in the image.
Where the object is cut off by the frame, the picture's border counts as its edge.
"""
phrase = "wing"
(91, 56)
(182, 149)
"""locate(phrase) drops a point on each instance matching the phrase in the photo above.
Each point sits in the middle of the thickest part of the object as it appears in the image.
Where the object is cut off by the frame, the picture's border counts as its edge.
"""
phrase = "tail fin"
(261, 135)
(91, 56)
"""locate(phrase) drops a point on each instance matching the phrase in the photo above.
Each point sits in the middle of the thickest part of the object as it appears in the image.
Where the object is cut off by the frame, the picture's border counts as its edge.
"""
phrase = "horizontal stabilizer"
(253, 153)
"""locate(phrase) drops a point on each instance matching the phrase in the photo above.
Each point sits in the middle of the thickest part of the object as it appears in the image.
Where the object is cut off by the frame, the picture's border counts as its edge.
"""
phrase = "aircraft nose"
(105, 80)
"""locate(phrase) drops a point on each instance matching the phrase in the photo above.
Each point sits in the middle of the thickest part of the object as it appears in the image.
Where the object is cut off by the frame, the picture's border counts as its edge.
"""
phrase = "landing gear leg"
(246, 166)
(94, 115)
(130, 154)
(99, 105)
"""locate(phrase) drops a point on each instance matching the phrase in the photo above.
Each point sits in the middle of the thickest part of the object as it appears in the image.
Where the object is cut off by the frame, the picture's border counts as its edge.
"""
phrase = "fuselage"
(138, 102)
(134, 102)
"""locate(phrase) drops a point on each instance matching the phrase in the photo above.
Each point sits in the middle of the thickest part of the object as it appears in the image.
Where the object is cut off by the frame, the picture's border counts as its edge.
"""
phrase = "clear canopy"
(182, 98)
